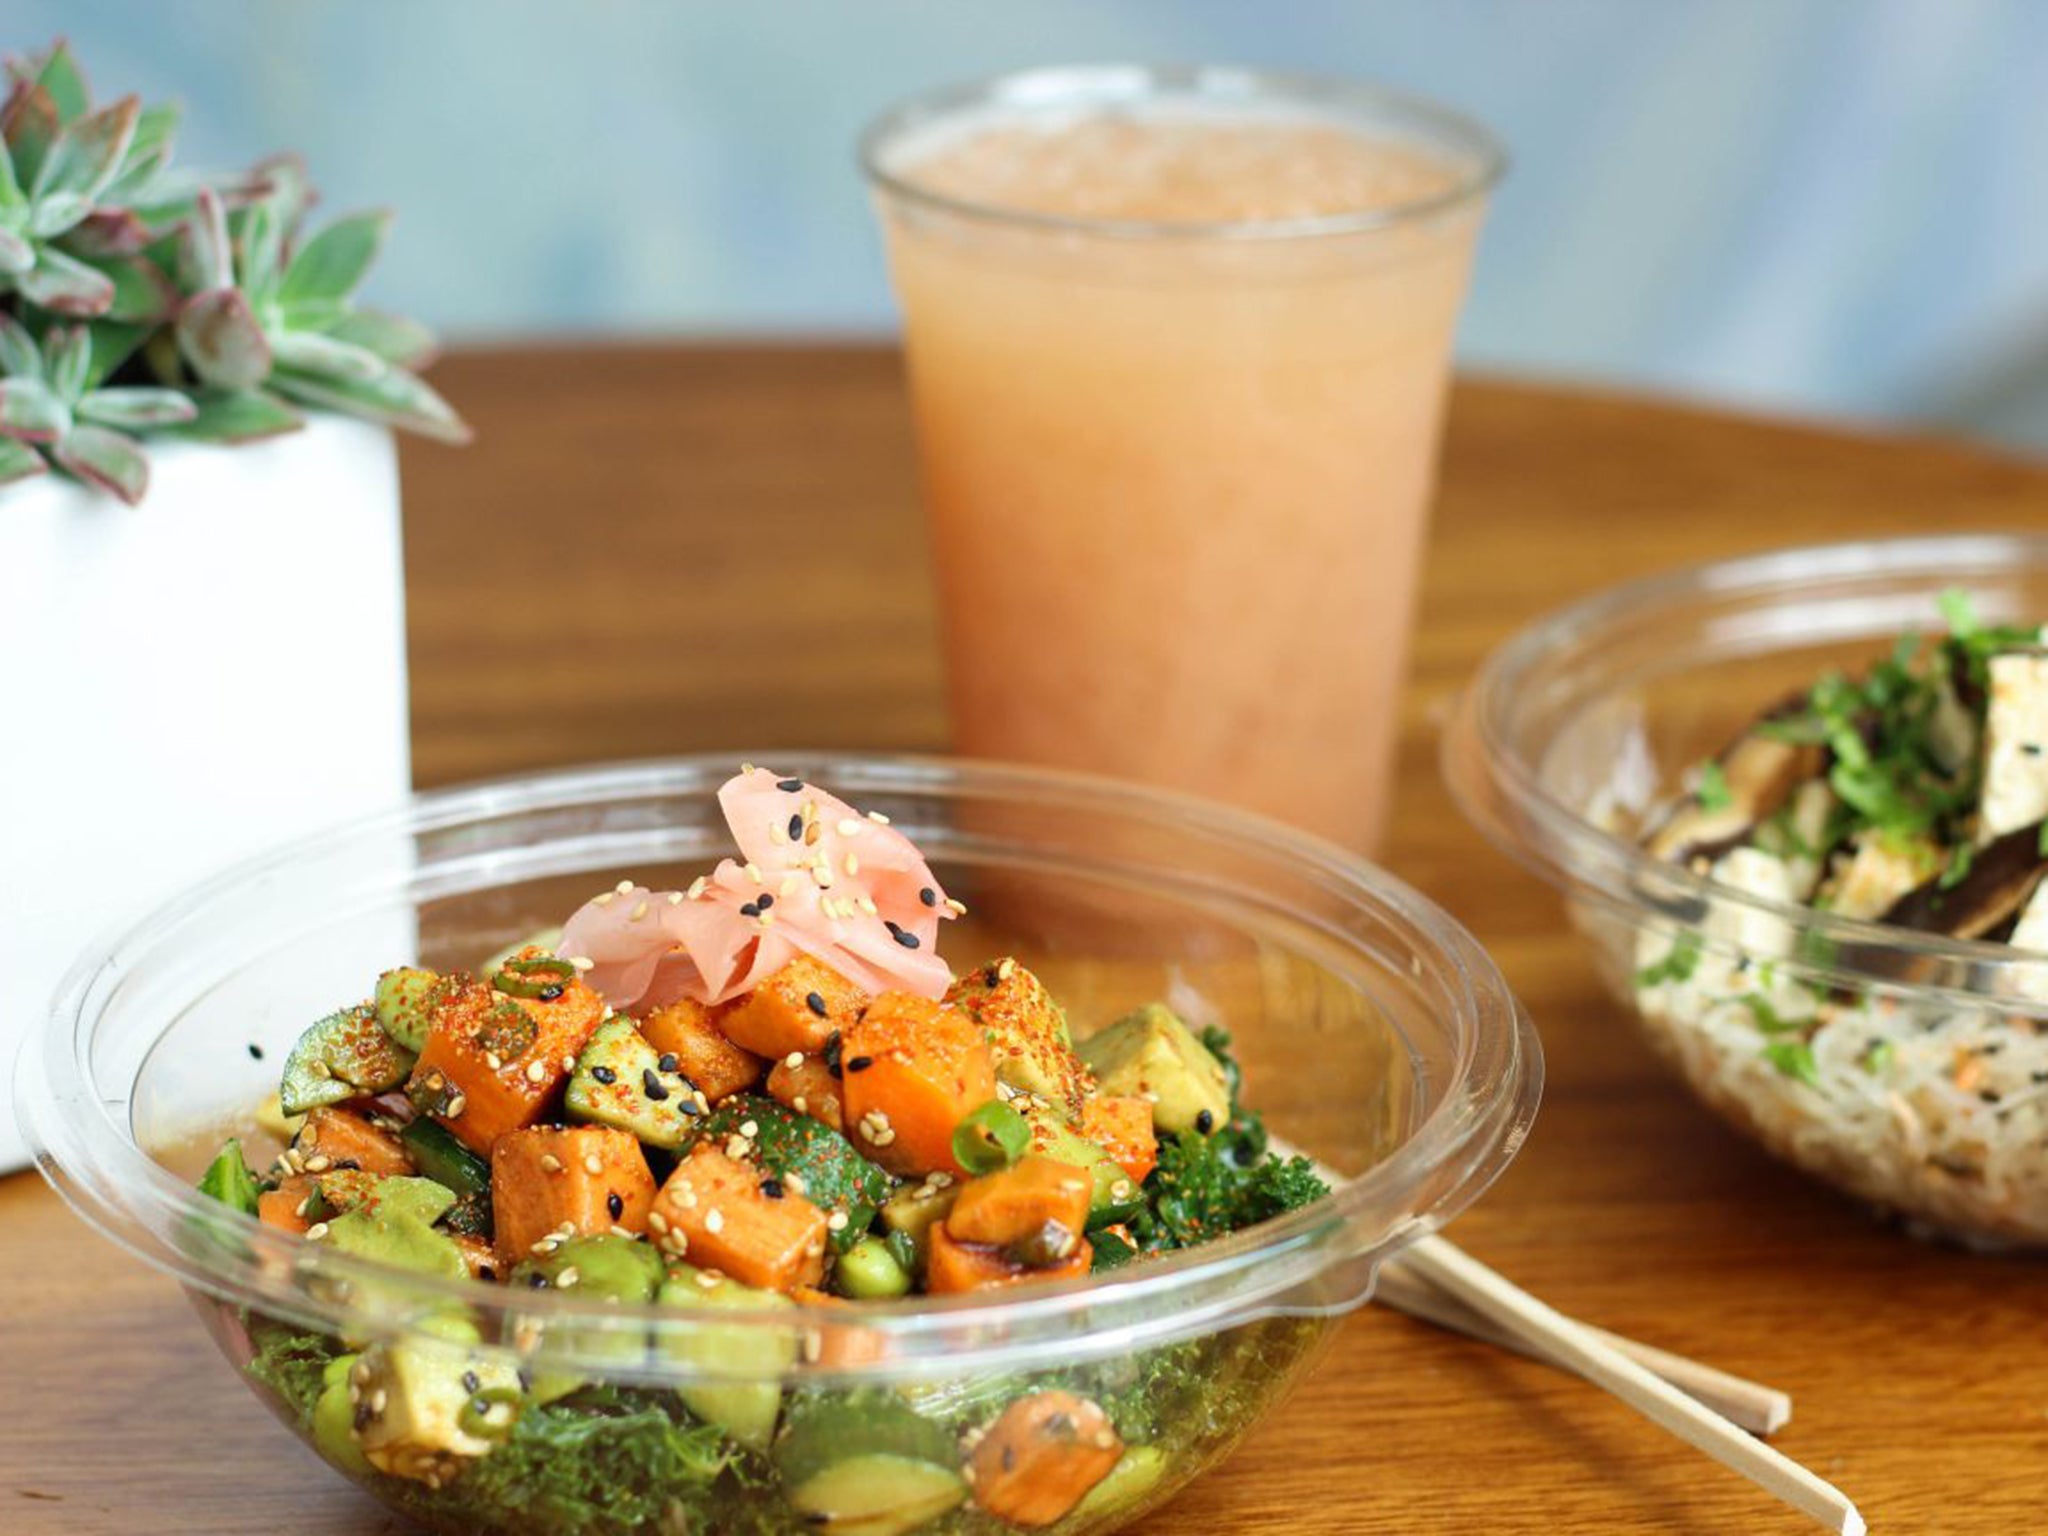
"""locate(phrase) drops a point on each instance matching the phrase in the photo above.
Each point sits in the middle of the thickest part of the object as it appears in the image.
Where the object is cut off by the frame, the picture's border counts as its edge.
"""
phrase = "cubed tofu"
(806, 1085)
(796, 1009)
(494, 1064)
(688, 1031)
(566, 1181)
(2015, 746)
(1879, 871)
(715, 1212)
(1755, 873)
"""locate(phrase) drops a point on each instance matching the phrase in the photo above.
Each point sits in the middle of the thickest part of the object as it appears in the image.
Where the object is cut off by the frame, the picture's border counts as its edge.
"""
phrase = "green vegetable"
(1794, 1058)
(1153, 1054)
(1111, 1252)
(991, 1138)
(807, 1155)
(229, 1180)
(1878, 1059)
(1678, 963)
(1768, 1020)
(404, 1002)
(870, 1271)
(1714, 793)
(343, 1056)
(1960, 862)
(535, 976)
(867, 1463)
(440, 1157)
(619, 1081)
(747, 1409)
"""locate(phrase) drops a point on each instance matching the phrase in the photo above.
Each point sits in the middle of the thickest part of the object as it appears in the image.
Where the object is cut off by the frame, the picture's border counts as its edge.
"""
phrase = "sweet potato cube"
(575, 1181)
(913, 1070)
(281, 1207)
(714, 1212)
(838, 1345)
(686, 1030)
(1041, 1456)
(952, 1266)
(339, 1138)
(809, 1088)
(1018, 1202)
(494, 1064)
(1122, 1126)
(796, 1009)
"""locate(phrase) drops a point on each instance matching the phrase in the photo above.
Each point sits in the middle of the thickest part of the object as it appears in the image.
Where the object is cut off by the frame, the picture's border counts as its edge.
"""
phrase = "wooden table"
(594, 580)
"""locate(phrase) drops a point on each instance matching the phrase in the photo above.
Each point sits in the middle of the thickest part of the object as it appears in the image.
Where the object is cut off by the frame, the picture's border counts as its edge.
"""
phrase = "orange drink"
(1177, 345)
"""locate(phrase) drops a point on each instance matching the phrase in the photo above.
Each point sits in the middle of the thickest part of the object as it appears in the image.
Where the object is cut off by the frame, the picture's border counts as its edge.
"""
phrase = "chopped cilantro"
(1878, 1059)
(1794, 1058)
(1678, 964)
(1959, 863)
(1768, 1020)
(1715, 795)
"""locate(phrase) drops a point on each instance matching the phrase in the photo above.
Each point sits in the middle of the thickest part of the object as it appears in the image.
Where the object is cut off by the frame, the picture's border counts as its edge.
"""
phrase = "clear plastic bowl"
(1374, 1034)
(1926, 1093)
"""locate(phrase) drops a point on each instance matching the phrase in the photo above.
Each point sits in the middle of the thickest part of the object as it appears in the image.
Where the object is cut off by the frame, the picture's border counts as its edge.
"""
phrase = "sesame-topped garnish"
(795, 887)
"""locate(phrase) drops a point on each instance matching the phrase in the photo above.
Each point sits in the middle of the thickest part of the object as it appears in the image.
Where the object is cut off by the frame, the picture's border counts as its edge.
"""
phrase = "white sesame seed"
(852, 865)
(537, 1072)
(710, 1279)
(593, 1165)
(836, 1221)
(778, 832)
(793, 1060)
(319, 1163)
(675, 898)
(316, 1231)
(878, 818)
(867, 905)
(456, 1106)
(750, 1127)
(657, 1222)
(494, 1061)
(1006, 970)
(549, 1163)
(697, 887)
(582, 962)
(605, 899)
(800, 1104)
(957, 908)
(568, 1063)
(639, 911)
(849, 827)
(623, 886)
(714, 1220)
(568, 1277)
(753, 872)
(567, 1229)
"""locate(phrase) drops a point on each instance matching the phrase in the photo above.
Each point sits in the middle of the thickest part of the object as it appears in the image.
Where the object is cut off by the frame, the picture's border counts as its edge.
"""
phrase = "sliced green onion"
(540, 976)
(991, 1138)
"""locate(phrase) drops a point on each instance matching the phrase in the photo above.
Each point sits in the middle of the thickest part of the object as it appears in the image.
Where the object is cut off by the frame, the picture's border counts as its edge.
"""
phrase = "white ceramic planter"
(187, 682)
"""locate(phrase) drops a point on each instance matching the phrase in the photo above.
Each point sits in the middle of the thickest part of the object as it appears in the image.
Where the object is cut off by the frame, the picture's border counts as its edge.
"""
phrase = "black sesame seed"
(604, 1074)
(907, 940)
(816, 1003)
(668, 1062)
(616, 1204)
(765, 902)
(772, 1188)
(549, 994)
(928, 896)
(537, 1281)
(750, 909)
(1205, 1122)
(2040, 1075)
(2031, 748)
(1989, 1095)
(860, 1063)
(255, 1051)
(796, 829)
(471, 1382)
(790, 786)
(486, 1272)
(656, 1089)
(348, 1165)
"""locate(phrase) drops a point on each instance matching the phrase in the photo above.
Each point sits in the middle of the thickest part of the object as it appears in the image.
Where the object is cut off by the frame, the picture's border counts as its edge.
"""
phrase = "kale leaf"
(290, 1363)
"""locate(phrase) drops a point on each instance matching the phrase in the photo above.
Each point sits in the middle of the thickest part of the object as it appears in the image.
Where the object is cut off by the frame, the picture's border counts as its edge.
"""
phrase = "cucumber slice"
(828, 1432)
(344, 1056)
(619, 1082)
(915, 1209)
(404, 1003)
(440, 1157)
(877, 1495)
(746, 1410)
(807, 1155)
(1129, 1482)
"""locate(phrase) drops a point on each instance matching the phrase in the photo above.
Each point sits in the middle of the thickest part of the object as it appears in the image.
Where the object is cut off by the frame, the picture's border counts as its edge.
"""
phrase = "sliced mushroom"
(1987, 901)
(1761, 772)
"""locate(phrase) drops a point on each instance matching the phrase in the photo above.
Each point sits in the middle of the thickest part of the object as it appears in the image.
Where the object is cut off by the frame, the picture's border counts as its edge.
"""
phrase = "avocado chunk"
(916, 1208)
(808, 1156)
(440, 1157)
(607, 1266)
(344, 1056)
(333, 1424)
(397, 1237)
(229, 1180)
(620, 1081)
(744, 1408)
(428, 1405)
(404, 1003)
(1113, 1195)
(867, 1465)
(1027, 1032)
(271, 1118)
(1154, 1056)
(1128, 1484)
(351, 1189)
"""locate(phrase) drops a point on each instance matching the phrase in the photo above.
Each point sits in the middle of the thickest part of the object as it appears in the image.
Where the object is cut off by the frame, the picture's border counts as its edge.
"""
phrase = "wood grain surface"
(656, 550)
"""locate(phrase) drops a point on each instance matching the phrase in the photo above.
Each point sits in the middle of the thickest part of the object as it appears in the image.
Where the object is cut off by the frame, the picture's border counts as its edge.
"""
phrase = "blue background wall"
(1830, 206)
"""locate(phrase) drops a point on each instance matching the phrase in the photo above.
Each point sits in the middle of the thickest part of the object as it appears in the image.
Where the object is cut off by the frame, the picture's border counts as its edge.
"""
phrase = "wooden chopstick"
(1755, 1407)
(1452, 1270)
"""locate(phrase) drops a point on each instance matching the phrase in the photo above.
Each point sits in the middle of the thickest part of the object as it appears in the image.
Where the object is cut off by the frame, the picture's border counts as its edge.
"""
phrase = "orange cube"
(686, 1030)
(714, 1212)
(913, 1069)
(494, 1064)
(838, 1345)
(796, 1009)
(1041, 1456)
(566, 1181)
(282, 1207)
(809, 1088)
(952, 1266)
(1010, 1205)
(339, 1138)
(1122, 1126)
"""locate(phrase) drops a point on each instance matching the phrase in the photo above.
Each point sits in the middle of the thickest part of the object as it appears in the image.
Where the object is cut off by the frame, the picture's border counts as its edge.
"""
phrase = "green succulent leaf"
(142, 292)
(18, 461)
(86, 153)
(137, 407)
(20, 357)
(16, 254)
(64, 285)
(208, 257)
(28, 124)
(102, 457)
(11, 195)
(397, 398)
(219, 337)
(237, 416)
(308, 352)
(113, 343)
(283, 182)
(57, 72)
(148, 152)
(56, 213)
(31, 411)
(67, 360)
(107, 232)
(331, 266)
(394, 338)
(260, 244)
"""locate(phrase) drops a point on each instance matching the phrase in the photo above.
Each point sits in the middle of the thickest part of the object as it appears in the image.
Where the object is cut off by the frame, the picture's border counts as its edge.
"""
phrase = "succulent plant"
(138, 302)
